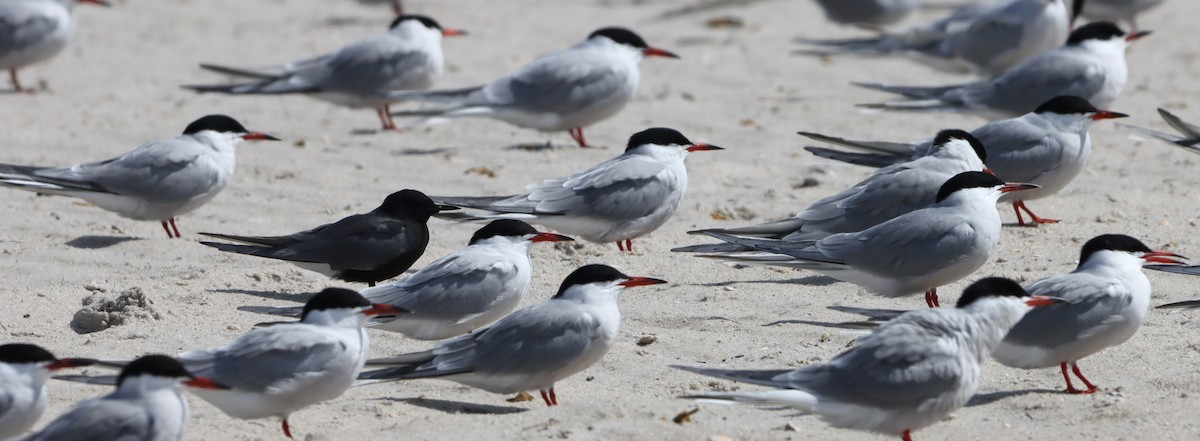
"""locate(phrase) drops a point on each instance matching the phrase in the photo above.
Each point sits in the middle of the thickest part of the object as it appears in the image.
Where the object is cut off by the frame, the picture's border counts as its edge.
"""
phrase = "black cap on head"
(590, 274)
(1066, 105)
(428, 22)
(503, 228)
(21, 353)
(157, 365)
(1112, 242)
(1099, 30)
(620, 35)
(334, 298)
(945, 136)
(991, 287)
(657, 136)
(216, 123)
(408, 203)
(971, 179)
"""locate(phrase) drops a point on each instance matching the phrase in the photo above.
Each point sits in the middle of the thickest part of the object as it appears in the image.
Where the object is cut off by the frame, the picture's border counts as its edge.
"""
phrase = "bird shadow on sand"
(456, 407)
(854, 326)
(97, 242)
(808, 281)
(543, 147)
(989, 398)
(273, 295)
(421, 152)
(344, 21)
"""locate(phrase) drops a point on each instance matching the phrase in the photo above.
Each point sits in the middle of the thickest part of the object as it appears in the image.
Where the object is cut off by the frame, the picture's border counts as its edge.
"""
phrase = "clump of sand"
(101, 312)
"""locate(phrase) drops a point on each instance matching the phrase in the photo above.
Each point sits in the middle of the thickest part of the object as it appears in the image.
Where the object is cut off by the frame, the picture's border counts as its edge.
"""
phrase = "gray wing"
(100, 419)
(1019, 151)
(1191, 133)
(999, 30)
(266, 358)
(560, 82)
(1027, 85)
(628, 186)
(22, 25)
(898, 365)
(164, 170)
(1092, 305)
(887, 193)
(537, 339)
(451, 287)
(903, 245)
(6, 400)
(370, 66)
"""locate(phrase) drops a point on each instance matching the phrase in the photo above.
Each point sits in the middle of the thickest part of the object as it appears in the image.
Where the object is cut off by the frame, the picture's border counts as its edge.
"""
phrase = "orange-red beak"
(1040, 301)
(656, 52)
(550, 237)
(1137, 35)
(699, 147)
(259, 136)
(1159, 256)
(204, 383)
(453, 32)
(1010, 187)
(384, 309)
(64, 363)
(640, 281)
(1104, 114)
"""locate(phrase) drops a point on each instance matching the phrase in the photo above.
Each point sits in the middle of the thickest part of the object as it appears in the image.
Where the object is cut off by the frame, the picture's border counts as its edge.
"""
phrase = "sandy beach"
(117, 86)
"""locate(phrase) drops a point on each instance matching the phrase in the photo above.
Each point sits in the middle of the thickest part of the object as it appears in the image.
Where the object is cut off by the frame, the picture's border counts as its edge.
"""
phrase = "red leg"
(1070, 387)
(12, 74)
(546, 398)
(553, 397)
(173, 227)
(381, 112)
(1017, 209)
(1091, 388)
(287, 431)
(906, 436)
(629, 245)
(168, 230)
(577, 135)
(397, 7)
(1036, 220)
(620, 245)
(931, 298)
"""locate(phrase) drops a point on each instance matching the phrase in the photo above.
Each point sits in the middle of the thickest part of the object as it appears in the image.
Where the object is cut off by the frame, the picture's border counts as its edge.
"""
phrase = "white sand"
(117, 86)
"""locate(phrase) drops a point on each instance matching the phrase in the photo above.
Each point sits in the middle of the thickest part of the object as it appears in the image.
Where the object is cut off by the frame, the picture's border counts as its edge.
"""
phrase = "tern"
(158, 181)
(407, 57)
(619, 200)
(532, 348)
(459, 293)
(1090, 66)
(889, 192)
(278, 370)
(32, 31)
(147, 405)
(1189, 137)
(367, 247)
(1049, 147)
(907, 374)
(1106, 299)
(566, 90)
(24, 369)
(983, 38)
(912, 253)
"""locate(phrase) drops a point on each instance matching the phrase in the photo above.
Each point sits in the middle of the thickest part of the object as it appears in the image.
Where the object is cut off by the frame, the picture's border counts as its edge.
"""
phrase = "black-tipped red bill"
(550, 237)
(641, 281)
